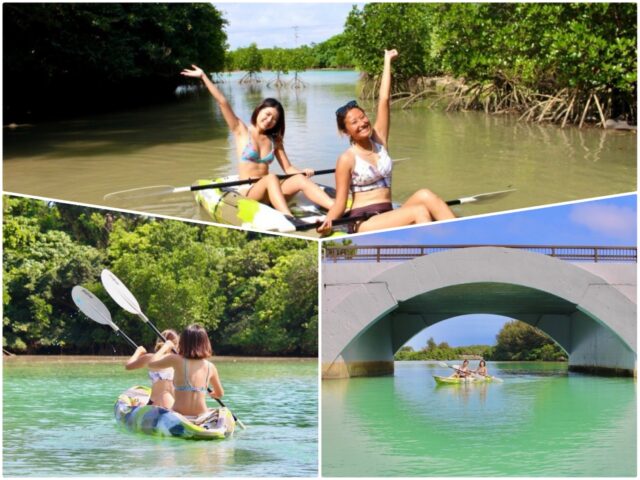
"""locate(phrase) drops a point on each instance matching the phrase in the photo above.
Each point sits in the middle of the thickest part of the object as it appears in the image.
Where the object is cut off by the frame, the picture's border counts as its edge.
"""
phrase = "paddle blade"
(487, 196)
(120, 294)
(136, 193)
(91, 306)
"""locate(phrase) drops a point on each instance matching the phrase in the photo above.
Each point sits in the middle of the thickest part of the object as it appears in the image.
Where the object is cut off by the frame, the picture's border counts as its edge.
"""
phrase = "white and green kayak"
(227, 206)
(132, 411)
(461, 380)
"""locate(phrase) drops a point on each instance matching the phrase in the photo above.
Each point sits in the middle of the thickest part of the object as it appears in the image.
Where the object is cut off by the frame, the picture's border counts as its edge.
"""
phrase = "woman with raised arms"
(364, 170)
(257, 146)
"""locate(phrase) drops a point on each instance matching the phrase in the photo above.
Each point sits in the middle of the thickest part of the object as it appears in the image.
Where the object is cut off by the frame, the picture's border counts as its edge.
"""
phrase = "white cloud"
(272, 24)
(606, 219)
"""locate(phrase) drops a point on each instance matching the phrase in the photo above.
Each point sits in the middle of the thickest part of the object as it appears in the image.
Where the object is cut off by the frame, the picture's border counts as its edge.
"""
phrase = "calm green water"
(540, 422)
(454, 154)
(58, 421)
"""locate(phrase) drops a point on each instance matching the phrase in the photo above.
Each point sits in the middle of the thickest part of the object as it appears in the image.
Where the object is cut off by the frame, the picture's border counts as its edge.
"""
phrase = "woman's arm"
(139, 359)
(235, 124)
(214, 381)
(162, 358)
(383, 118)
(344, 167)
(286, 165)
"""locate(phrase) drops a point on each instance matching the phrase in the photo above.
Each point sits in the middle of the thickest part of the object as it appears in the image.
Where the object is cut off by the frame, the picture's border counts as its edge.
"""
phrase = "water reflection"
(454, 154)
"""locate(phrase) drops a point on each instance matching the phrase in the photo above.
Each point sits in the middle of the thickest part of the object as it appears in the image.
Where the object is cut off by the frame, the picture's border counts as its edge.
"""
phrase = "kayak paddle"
(366, 216)
(158, 190)
(495, 379)
(93, 308)
(128, 302)
(123, 297)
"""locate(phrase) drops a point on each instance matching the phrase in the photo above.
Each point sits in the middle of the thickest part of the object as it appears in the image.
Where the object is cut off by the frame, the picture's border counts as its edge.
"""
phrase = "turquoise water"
(541, 421)
(58, 421)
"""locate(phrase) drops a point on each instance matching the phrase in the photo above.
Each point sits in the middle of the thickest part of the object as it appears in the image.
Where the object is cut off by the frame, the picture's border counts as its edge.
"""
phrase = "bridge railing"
(380, 253)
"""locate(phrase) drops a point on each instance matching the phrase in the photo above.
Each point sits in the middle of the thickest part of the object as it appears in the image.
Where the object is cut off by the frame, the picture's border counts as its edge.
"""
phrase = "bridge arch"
(366, 318)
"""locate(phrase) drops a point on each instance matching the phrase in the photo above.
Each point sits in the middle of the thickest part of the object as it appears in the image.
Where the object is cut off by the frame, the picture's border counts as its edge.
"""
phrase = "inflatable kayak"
(460, 381)
(132, 411)
(227, 206)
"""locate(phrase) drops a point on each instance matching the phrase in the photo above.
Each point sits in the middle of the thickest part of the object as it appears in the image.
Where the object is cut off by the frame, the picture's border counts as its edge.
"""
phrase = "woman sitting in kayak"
(364, 169)
(463, 371)
(257, 146)
(193, 372)
(161, 380)
(482, 369)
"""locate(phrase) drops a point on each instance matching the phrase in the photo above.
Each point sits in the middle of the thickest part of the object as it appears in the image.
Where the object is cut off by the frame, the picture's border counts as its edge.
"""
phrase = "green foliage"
(442, 351)
(255, 294)
(60, 57)
(248, 59)
(333, 53)
(383, 26)
(519, 341)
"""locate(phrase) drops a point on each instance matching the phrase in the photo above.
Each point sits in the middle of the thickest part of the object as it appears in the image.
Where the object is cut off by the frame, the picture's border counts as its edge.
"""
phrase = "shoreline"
(121, 359)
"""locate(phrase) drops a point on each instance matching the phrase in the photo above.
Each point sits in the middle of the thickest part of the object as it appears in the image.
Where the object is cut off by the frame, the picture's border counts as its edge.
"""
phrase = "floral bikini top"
(366, 177)
(250, 154)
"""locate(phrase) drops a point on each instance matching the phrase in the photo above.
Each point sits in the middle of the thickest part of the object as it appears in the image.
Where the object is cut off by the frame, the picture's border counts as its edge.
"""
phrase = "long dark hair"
(194, 342)
(277, 131)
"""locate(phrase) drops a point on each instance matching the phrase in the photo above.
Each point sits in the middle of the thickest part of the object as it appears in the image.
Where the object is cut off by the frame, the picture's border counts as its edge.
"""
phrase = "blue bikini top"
(250, 154)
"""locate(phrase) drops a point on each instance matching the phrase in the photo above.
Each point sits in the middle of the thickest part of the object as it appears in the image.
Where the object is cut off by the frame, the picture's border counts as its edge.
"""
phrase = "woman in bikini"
(193, 372)
(161, 380)
(364, 169)
(258, 145)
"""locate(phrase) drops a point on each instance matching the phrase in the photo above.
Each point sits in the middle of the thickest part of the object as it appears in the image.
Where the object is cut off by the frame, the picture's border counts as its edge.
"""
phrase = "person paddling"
(463, 371)
(257, 146)
(161, 380)
(364, 170)
(193, 372)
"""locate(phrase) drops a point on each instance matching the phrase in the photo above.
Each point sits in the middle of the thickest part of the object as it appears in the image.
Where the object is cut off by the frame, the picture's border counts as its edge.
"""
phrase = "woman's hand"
(390, 55)
(326, 227)
(308, 172)
(197, 72)
(140, 351)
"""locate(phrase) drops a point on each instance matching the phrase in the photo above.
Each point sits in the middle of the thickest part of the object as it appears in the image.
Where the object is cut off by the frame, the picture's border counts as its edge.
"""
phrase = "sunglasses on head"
(346, 107)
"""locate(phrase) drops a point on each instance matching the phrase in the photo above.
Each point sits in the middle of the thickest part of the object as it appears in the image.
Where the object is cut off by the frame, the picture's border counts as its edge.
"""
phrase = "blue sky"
(272, 24)
(604, 222)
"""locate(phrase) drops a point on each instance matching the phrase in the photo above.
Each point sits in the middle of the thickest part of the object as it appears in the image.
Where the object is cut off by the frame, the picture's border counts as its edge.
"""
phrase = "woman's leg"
(405, 215)
(267, 189)
(437, 207)
(311, 190)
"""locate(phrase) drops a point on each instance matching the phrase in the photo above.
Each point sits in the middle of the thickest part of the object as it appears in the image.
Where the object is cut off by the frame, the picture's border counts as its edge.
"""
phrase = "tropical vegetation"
(516, 341)
(64, 58)
(255, 294)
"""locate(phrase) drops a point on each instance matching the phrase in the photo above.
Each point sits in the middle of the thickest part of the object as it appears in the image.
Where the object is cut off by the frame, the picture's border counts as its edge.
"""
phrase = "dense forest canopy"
(255, 294)
(62, 58)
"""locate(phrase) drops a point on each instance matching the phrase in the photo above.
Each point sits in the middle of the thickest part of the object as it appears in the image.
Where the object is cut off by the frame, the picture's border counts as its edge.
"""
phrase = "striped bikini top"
(187, 387)
(366, 177)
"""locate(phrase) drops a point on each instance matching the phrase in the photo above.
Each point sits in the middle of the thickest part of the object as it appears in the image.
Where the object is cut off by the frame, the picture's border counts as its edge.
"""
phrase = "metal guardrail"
(379, 253)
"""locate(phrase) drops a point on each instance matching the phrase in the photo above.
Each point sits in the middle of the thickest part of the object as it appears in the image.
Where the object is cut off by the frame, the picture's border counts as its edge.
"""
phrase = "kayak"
(460, 381)
(227, 206)
(132, 411)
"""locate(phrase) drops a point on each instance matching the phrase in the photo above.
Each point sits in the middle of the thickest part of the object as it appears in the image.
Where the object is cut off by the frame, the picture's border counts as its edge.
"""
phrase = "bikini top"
(366, 177)
(187, 387)
(250, 154)
(157, 375)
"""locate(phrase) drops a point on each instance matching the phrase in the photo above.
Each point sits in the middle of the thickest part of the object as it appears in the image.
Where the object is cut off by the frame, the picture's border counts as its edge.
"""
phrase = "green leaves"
(254, 294)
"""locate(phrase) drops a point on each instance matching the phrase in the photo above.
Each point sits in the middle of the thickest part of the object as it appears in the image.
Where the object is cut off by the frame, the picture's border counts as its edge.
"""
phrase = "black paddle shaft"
(235, 183)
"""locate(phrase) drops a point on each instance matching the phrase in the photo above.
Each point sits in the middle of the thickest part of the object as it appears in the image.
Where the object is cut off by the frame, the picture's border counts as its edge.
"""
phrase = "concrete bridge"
(371, 308)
